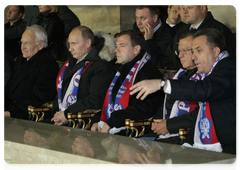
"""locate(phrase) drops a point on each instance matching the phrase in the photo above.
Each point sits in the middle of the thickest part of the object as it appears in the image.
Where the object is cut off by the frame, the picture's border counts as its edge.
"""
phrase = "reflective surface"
(99, 146)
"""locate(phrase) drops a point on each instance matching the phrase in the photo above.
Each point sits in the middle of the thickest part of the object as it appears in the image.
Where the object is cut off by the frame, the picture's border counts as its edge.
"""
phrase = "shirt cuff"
(168, 89)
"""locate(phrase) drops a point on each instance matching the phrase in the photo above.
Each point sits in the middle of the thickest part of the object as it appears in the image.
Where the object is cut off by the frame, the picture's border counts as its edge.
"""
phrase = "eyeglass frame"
(184, 51)
(26, 43)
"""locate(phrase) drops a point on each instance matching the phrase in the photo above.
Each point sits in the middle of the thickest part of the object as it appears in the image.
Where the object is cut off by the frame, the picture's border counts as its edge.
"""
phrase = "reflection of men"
(157, 33)
(34, 75)
(215, 118)
(82, 147)
(198, 17)
(133, 66)
(83, 80)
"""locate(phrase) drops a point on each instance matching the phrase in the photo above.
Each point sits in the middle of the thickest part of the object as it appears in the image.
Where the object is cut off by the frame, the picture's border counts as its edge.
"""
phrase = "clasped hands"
(105, 129)
(59, 118)
(159, 126)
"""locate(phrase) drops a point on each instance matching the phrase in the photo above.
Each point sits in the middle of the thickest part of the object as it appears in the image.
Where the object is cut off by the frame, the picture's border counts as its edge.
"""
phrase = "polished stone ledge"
(16, 153)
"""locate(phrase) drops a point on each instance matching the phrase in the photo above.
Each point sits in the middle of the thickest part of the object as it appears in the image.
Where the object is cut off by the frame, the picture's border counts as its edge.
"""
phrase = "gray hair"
(40, 33)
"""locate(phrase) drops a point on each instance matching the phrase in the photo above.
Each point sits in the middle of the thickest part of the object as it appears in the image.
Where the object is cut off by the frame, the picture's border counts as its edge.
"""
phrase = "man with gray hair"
(34, 75)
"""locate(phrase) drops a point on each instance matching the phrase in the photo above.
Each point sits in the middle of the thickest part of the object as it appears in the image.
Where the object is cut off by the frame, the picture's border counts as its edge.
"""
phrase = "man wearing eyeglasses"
(34, 75)
(174, 108)
(198, 17)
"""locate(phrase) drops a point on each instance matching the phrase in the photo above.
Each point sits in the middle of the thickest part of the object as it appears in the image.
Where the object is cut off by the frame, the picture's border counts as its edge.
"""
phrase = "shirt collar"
(171, 25)
(191, 27)
(82, 58)
(158, 26)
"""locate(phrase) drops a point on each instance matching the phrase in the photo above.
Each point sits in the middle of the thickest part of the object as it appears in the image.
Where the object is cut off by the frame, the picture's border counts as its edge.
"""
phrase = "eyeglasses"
(26, 43)
(183, 51)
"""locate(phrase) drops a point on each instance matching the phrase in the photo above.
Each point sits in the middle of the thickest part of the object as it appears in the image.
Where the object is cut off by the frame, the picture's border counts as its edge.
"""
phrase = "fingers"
(99, 129)
(144, 95)
(135, 90)
(157, 120)
(140, 93)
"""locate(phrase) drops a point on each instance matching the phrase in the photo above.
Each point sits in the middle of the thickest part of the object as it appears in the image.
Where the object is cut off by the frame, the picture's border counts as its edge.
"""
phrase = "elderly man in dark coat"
(34, 75)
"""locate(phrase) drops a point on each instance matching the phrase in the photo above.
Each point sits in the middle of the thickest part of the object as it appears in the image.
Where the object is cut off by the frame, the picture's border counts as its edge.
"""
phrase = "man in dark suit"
(157, 33)
(84, 79)
(198, 17)
(132, 66)
(212, 124)
(34, 75)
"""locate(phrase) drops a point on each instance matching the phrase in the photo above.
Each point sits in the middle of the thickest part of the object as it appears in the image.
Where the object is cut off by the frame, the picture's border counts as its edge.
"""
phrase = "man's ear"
(88, 42)
(137, 50)
(90, 152)
(168, 10)
(216, 52)
(155, 18)
(41, 45)
(20, 15)
(203, 8)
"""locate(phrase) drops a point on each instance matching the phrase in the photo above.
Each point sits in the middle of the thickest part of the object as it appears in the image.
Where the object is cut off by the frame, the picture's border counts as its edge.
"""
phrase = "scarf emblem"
(72, 90)
(205, 133)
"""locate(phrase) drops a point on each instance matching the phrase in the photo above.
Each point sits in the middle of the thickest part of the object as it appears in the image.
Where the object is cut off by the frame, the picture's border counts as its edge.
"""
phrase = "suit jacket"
(158, 45)
(33, 83)
(219, 89)
(172, 60)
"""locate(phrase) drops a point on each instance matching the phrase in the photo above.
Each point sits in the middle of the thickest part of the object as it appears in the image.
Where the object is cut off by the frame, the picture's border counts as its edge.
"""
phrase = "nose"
(117, 50)
(185, 10)
(70, 48)
(23, 46)
(194, 57)
(180, 55)
(138, 21)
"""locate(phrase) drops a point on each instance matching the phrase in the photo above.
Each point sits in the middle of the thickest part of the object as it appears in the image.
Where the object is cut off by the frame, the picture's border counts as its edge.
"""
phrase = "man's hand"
(59, 118)
(6, 114)
(105, 128)
(94, 127)
(159, 126)
(148, 32)
(145, 88)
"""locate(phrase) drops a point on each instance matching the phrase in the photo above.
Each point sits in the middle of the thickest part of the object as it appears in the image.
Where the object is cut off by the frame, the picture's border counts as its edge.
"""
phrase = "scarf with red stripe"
(180, 107)
(122, 97)
(70, 96)
(205, 135)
